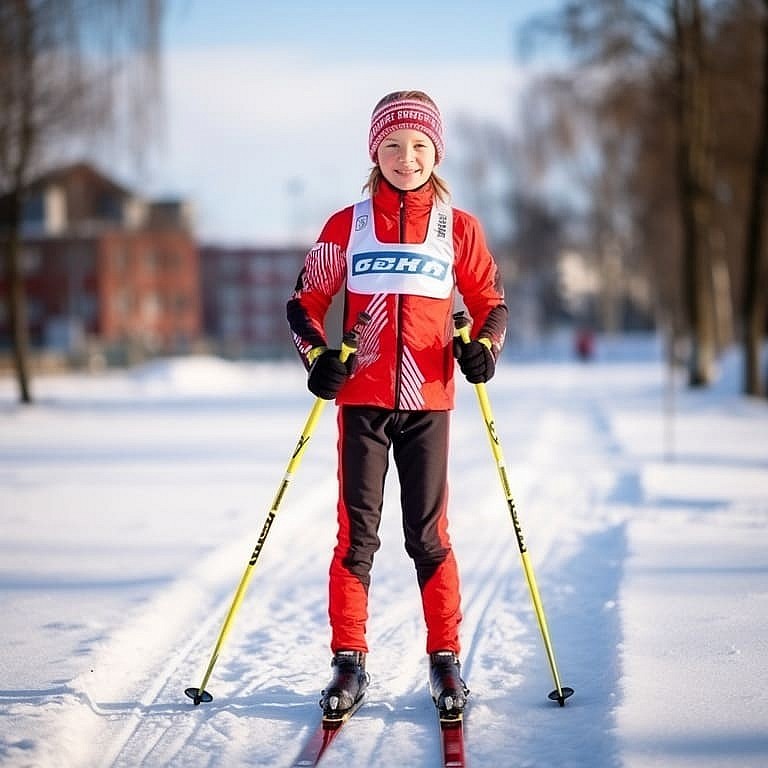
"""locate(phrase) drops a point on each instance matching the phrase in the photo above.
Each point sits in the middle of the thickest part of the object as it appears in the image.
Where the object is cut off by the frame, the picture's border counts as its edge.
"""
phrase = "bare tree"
(677, 82)
(525, 229)
(695, 171)
(609, 119)
(68, 69)
(756, 275)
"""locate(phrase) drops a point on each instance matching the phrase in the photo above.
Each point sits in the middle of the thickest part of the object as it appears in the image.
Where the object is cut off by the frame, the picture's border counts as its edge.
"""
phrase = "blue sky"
(266, 105)
(414, 31)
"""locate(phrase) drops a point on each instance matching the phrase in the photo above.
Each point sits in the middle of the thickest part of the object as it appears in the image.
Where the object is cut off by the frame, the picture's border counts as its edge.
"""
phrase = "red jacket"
(405, 354)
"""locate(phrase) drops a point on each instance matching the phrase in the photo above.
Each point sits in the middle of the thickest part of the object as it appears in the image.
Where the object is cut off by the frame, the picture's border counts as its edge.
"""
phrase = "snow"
(130, 503)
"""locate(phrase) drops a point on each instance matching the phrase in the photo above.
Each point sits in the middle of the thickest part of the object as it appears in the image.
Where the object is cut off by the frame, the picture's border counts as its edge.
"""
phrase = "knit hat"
(406, 113)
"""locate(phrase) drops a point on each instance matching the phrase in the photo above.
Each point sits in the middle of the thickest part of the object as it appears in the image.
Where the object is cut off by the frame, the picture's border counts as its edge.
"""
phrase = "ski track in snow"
(261, 690)
(576, 490)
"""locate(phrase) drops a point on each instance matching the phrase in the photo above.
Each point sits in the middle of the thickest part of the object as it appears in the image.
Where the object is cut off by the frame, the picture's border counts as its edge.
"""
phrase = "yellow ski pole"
(348, 347)
(561, 693)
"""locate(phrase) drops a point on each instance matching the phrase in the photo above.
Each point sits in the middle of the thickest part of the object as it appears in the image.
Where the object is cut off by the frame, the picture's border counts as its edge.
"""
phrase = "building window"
(263, 295)
(181, 303)
(109, 208)
(33, 212)
(231, 325)
(230, 265)
(230, 296)
(288, 266)
(121, 302)
(86, 307)
(35, 310)
(151, 307)
(257, 269)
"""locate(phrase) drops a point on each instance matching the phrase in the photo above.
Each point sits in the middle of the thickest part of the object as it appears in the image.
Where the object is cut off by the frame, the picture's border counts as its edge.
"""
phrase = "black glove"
(475, 360)
(328, 373)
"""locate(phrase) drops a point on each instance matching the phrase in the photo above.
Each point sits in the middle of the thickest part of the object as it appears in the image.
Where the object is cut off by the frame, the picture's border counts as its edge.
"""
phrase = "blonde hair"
(375, 176)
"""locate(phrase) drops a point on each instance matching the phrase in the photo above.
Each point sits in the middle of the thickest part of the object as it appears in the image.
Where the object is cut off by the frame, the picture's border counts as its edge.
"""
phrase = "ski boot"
(448, 690)
(344, 694)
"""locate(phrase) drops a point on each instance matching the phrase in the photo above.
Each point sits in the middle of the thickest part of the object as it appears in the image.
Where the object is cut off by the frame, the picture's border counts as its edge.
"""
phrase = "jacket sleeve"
(322, 276)
(479, 282)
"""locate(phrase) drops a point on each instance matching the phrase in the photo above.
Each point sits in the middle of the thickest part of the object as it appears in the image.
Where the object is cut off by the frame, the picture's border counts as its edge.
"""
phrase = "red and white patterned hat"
(406, 113)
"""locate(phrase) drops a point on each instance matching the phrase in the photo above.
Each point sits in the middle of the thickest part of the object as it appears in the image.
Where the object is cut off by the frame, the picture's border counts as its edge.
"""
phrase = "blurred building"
(244, 295)
(106, 272)
(603, 293)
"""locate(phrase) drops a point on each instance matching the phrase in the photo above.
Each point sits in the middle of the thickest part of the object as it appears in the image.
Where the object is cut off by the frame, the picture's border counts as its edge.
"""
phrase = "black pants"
(419, 444)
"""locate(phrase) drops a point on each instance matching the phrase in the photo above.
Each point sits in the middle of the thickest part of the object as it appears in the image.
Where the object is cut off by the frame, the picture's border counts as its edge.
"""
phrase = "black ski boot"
(446, 686)
(345, 692)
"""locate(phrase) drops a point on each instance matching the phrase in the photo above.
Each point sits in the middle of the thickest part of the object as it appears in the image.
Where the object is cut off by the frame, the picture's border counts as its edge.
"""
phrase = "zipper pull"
(401, 216)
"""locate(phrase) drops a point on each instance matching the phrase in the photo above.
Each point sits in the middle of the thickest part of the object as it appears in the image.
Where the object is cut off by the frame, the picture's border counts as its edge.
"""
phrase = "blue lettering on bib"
(398, 263)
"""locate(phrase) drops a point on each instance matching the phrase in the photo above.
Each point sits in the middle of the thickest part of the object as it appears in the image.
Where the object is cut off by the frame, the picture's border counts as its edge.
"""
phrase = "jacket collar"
(416, 201)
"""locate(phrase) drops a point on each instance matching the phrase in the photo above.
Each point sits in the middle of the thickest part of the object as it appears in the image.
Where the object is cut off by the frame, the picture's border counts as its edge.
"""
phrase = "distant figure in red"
(585, 344)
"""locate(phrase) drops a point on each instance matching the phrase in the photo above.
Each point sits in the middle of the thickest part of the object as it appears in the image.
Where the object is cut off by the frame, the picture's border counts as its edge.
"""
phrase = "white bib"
(421, 269)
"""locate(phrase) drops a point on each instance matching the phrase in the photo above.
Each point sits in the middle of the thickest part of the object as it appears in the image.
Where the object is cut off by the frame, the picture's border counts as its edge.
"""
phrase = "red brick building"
(244, 293)
(105, 268)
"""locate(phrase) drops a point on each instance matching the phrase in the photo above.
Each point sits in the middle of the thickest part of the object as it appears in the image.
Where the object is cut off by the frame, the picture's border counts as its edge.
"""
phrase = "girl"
(400, 256)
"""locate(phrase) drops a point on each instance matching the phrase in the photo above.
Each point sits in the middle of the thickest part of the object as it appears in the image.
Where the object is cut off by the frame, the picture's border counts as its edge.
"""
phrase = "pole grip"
(461, 327)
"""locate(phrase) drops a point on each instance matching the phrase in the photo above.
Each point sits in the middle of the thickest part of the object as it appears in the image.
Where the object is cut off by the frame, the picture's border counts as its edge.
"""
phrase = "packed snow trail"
(155, 496)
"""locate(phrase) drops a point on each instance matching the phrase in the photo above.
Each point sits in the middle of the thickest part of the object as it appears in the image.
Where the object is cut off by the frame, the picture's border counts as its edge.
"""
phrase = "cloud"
(267, 144)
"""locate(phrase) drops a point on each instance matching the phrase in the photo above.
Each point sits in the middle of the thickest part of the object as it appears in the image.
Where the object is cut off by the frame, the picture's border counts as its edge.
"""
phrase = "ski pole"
(348, 347)
(561, 693)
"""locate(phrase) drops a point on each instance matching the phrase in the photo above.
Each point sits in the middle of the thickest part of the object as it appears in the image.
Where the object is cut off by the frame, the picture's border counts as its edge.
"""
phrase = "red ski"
(316, 745)
(452, 742)
(321, 739)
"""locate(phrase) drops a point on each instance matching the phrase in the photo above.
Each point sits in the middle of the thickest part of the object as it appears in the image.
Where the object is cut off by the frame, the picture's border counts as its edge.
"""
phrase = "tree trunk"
(694, 173)
(16, 299)
(754, 310)
(25, 134)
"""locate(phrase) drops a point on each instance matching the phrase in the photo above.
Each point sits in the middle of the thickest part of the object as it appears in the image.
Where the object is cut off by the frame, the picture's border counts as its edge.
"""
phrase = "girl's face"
(406, 158)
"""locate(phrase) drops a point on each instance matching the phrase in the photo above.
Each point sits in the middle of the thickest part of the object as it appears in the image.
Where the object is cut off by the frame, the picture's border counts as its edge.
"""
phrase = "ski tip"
(560, 695)
(198, 696)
